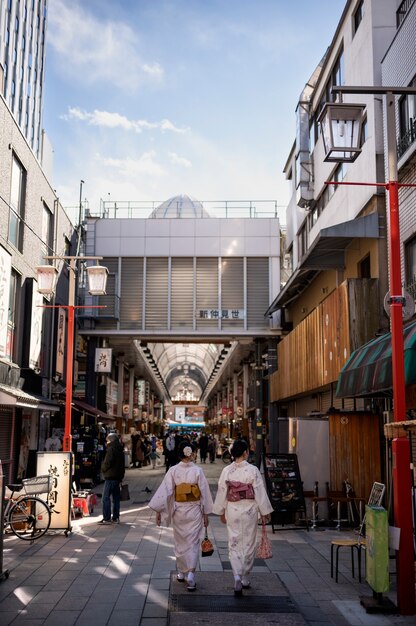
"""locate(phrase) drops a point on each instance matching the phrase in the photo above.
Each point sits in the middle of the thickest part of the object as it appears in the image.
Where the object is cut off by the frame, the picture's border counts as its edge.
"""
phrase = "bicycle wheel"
(226, 457)
(30, 518)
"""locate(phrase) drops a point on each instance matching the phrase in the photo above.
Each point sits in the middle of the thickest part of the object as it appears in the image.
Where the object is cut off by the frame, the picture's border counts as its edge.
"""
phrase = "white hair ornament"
(187, 451)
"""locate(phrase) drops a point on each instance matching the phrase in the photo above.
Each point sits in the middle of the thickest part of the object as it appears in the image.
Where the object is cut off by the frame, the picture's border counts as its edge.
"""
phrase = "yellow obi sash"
(185, 492)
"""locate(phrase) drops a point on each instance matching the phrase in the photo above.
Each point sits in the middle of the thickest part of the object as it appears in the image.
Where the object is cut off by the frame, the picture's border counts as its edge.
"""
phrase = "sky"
(149, 99)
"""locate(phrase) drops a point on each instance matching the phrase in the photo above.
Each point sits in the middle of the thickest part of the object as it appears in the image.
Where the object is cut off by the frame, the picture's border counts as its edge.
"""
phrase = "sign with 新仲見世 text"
(222, 314)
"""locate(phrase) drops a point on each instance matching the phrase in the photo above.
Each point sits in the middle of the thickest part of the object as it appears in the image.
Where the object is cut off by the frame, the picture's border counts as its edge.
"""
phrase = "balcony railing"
(214, 208)
(111, 302)
(402, 11)
(407, 139)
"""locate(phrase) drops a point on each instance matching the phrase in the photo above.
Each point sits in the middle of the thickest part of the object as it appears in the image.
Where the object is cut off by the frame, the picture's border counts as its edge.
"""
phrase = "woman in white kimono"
(184, 500)
(241, 497)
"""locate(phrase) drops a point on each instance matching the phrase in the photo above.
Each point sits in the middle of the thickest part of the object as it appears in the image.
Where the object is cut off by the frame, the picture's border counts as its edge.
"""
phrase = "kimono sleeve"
(260, 493)
(220, 503)
(163, 499)
(206, 498)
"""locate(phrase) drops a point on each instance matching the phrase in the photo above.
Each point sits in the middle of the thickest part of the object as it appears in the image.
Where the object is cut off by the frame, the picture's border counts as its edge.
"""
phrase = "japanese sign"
(222, 314)
(5, 269)
(141, 392)
(58, 466)
(60, 346)
(36, 328)
(103, 360)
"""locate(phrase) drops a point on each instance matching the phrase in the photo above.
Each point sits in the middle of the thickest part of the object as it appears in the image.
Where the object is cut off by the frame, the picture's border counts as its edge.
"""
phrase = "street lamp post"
(337, 132)
(97, 278)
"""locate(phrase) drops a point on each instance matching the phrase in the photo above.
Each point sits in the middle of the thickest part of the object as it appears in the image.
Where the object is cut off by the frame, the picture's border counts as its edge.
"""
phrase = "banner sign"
(103, 360)
(57, 465)
(5, 271)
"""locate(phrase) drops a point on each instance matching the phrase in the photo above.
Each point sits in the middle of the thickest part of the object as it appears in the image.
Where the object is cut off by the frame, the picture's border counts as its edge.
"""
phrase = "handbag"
(264, 549)
(124, 492)
(206, 546)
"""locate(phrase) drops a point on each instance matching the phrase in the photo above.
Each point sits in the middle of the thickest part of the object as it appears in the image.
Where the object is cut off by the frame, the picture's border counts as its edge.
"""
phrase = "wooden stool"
(346, 543)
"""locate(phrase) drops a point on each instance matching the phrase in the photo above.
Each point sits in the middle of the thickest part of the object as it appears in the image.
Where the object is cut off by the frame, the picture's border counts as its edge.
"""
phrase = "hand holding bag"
(264, 549)
(124, 492)
(206, 546)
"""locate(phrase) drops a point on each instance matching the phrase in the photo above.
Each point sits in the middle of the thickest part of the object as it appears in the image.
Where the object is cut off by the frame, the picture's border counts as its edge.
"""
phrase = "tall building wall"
(22, 57)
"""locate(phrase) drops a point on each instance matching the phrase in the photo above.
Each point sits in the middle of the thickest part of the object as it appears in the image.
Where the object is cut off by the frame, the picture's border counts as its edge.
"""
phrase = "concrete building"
(22, 65)
(32, 224)
(185, 305)
(336, 243)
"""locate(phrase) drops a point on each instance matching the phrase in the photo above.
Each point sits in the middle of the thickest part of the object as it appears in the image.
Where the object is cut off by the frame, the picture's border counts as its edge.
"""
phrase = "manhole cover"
(230, 604)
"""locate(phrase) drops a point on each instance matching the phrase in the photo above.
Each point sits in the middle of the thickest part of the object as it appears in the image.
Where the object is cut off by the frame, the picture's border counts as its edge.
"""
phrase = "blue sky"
(147, 99)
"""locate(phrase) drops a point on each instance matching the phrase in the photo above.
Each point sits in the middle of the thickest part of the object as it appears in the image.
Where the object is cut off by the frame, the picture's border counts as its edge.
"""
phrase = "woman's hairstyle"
(185, 449)
(238, 448)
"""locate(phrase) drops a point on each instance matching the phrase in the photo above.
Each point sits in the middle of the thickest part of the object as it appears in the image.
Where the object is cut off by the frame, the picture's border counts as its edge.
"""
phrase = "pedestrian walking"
(241, 497)
(113, 471)
(184, 501)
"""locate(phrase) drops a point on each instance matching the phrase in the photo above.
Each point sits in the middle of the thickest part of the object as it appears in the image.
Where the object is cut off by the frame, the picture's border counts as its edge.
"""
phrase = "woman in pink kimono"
(184, 500)
(241, 497)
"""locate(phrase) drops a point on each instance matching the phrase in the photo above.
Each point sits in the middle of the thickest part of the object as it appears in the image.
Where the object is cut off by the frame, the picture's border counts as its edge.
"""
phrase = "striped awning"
(368, 371)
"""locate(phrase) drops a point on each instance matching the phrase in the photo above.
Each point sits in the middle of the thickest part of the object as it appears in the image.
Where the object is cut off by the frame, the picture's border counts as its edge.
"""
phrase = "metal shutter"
(206, 290)
(6, 440)
(131, 298)
(232, 288)
(257, 292)
(109, 300)
(182, 293)
(157, 284)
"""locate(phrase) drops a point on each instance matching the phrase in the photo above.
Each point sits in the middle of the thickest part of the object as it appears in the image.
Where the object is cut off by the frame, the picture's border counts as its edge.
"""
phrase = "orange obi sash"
(185, 492)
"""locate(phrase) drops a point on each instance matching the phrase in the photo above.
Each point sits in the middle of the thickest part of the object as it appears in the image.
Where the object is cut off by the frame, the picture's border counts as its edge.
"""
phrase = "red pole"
(401, 449)
(67, 443)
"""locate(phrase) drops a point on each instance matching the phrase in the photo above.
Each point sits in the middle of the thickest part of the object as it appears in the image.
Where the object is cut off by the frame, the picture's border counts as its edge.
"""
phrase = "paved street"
(121, 575)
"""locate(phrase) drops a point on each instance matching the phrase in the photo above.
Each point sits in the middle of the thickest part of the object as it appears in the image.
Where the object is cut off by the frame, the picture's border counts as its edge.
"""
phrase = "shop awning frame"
(92, 410)
(368, 371)
(13, 396)
(327, 251)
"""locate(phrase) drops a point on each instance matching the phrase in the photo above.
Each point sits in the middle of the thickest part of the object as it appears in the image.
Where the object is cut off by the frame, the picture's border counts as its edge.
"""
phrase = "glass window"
(46, 232)
(358, 16)
(17, 203)
(410, 264)
(12, 311)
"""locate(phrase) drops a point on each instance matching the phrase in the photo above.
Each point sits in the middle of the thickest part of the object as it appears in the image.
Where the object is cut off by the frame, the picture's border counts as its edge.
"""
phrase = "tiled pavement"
(121, 575)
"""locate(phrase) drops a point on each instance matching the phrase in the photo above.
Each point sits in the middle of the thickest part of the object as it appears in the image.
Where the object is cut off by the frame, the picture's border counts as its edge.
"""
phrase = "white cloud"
(115, 120)
(96, 49)
(177, 160)
(127, 167)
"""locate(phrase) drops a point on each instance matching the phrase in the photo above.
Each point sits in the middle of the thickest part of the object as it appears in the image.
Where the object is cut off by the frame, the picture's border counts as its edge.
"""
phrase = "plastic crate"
(38, 484)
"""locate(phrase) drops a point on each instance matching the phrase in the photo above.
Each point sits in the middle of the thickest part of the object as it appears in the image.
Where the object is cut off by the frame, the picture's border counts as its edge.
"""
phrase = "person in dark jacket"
(113, 471)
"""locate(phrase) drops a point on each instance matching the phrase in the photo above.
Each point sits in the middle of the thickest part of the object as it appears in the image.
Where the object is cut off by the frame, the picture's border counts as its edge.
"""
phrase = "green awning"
(368, 370)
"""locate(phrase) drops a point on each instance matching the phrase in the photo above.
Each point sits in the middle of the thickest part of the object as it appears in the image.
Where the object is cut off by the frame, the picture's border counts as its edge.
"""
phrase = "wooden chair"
(375, 499)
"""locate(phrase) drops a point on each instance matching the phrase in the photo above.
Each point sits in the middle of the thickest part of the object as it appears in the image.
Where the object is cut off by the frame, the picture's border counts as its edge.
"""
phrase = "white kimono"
(186, 517)
(242, 516)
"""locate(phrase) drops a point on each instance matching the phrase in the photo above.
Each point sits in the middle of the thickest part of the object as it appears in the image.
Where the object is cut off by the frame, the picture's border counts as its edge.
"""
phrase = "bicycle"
(28, 516)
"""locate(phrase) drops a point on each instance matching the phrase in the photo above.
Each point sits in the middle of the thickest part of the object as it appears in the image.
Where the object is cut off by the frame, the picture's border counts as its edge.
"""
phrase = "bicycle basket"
(38, 484)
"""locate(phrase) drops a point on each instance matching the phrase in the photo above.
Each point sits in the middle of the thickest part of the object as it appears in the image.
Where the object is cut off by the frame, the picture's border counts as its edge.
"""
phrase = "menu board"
(284, 487)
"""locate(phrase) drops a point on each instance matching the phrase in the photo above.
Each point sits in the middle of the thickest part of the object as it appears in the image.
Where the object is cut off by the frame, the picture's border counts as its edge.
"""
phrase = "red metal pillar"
(67, 443)
(401, 448)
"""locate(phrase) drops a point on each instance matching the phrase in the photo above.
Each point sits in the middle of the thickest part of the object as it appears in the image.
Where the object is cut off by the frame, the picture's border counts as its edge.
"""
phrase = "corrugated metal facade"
(162, 293)
(157, 285)
(182, 293)
(232, 289)
(131, 304)
(257, 291)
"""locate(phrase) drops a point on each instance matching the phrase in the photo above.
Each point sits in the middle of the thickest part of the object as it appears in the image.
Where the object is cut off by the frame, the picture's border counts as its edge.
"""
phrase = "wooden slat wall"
(298, 360)
(313, 354)
(334, 311)
(354, 451)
